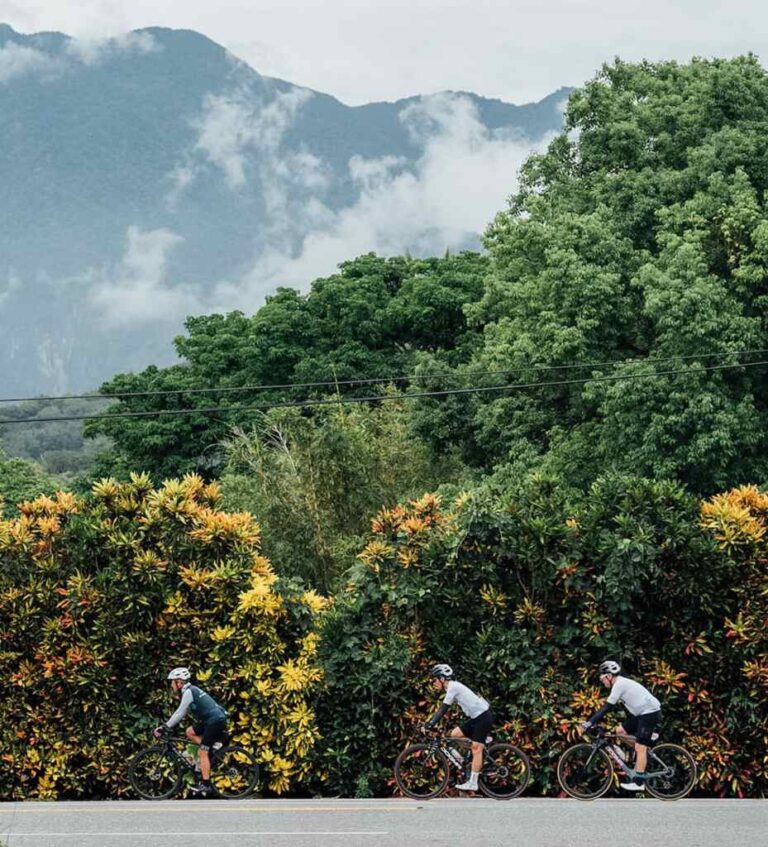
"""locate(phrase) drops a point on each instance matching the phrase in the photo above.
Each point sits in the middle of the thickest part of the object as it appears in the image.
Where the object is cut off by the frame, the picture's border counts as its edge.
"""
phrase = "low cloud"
(137, 289)
(9, 286)
(462, 178)
(94, 51)
(19, 60)
(234, 127)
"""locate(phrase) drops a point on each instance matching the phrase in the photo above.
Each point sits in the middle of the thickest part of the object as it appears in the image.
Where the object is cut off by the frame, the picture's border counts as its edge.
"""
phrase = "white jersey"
(637, 699)
(470, 703)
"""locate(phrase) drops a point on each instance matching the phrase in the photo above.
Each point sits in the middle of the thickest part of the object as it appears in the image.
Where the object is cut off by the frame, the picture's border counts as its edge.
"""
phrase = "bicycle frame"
(444, 743)
(172, 746)
(604, 742)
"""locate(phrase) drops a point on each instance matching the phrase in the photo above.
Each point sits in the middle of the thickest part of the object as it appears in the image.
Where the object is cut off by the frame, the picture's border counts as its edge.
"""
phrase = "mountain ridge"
(159, 165)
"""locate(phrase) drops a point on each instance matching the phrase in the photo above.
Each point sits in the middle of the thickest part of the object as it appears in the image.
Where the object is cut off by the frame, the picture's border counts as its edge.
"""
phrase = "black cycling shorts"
(211, 733)
(478, 728)
(643, 727)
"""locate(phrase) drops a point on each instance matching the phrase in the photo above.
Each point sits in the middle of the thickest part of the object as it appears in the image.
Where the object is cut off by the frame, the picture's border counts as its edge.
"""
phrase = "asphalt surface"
(634, 822)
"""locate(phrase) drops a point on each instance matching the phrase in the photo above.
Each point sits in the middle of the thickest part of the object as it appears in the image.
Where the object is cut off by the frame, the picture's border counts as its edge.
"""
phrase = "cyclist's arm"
(179, 714)
(600, 714)
(438, 716)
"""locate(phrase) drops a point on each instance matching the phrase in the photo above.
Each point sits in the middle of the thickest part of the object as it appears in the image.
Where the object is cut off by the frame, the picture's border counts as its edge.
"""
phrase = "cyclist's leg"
(477, 748)
(627, 730)
(641, 757)
(647, 725)
(476, 730)
(194, 734)
(212, 732)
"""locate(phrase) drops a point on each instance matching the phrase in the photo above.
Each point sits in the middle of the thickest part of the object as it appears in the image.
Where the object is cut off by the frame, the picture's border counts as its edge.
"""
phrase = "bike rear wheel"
(506, 772)
(234, 772)
(585, 773)
(155, 774)
(421, 772)
(681, 776)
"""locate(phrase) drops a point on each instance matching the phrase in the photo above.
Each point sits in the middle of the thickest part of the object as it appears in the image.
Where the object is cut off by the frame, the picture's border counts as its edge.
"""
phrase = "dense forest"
(518, 461)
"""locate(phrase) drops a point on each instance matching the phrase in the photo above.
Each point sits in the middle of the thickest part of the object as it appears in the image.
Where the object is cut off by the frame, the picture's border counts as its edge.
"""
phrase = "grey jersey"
(637, 699)
(470, 703)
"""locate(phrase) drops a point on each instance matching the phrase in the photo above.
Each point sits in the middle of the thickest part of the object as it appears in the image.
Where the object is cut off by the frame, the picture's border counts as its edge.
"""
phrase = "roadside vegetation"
(310, 561)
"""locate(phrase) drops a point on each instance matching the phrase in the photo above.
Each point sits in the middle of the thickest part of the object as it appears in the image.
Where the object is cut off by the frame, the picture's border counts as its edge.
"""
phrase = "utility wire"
(340, 401)
(375, 380)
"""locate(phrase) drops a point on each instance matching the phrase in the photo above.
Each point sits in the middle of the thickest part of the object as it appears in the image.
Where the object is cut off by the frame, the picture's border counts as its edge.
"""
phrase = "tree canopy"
(640, 239)
(366, 322)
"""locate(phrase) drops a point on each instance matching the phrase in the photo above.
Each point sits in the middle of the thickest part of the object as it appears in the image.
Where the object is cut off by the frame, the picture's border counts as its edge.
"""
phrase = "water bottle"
(455, 757)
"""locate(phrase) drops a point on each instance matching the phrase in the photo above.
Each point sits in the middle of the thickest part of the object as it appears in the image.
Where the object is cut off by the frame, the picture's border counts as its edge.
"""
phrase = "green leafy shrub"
(524, 594)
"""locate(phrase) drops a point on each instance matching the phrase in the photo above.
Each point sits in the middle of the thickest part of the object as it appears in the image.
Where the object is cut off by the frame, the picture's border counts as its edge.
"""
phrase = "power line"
(374, 380)
(340, 401)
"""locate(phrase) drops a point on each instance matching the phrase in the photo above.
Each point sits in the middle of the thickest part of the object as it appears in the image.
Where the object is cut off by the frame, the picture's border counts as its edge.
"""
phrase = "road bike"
(587, 770)
(425, 770)
(157, 773)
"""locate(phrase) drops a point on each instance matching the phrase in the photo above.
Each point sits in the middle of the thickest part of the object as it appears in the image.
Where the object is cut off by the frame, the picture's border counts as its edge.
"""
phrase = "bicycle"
(586, 771)
(157, 773)
(423, 770)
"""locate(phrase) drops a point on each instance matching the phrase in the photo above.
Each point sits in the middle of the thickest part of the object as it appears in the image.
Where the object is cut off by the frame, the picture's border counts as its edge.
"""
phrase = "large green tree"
(368, 321)
(641, 234)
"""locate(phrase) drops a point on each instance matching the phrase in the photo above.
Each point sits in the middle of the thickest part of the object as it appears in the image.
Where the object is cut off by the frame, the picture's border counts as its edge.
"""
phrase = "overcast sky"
(363, 50)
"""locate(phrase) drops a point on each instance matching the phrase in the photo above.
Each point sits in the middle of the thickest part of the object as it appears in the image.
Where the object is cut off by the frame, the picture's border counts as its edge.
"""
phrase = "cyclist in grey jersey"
(643, 721)
(477, 710)
(209, 727)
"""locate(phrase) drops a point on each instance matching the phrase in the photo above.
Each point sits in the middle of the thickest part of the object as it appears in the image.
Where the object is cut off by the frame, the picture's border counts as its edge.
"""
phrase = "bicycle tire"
(440, 764)
(569, 757)
(175, 772)
(498, 749)
(223, 774)
(652, 785)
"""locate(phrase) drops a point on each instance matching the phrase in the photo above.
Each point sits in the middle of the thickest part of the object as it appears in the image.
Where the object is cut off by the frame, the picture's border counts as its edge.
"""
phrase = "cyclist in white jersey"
(643, 721)
(479, 714)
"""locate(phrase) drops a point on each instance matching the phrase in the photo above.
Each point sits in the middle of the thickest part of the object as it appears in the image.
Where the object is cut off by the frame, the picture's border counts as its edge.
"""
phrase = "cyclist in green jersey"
(210, 724)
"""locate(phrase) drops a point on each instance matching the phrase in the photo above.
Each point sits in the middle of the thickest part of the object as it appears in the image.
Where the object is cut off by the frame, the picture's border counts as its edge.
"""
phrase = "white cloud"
(236, 126)
(18, 60)
(463, 177)
(93, 51)
(9, 286)
(241, 135)
(137, 290)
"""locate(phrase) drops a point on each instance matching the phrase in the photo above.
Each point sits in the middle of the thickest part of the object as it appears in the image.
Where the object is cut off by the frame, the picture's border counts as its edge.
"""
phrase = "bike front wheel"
(506, 772)
(584, 772)
(678, 772)
(155, 774)
(234, 773)
(421, 772)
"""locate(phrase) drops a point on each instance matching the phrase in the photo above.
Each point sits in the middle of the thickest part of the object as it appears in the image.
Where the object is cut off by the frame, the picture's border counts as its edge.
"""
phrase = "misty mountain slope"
(155, 175)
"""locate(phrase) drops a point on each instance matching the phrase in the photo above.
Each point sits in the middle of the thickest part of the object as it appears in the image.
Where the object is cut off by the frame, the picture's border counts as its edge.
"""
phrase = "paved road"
(635, 822)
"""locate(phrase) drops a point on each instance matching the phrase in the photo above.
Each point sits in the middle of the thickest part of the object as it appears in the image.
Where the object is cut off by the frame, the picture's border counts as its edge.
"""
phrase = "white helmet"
(180, 673)
(610, 667)
(441, 671)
